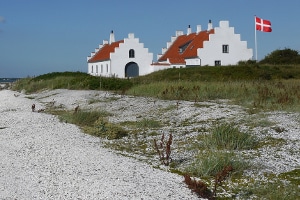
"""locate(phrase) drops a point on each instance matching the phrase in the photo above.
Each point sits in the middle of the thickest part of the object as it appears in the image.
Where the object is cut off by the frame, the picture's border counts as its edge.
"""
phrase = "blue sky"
(42, 36)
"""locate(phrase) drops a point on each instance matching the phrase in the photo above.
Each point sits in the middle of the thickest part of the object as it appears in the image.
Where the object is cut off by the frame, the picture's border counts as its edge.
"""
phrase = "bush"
(285, 56)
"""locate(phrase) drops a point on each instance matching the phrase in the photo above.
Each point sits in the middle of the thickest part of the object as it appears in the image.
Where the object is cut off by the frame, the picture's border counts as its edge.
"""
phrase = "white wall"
(100, 68)
(224, 35)
(120, 57)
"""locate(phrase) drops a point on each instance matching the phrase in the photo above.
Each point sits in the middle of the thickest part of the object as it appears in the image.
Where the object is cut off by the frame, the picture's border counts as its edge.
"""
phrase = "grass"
(255, 86)
(70, 80)
(148, 123)
(209, 163)
(270, 190)
(266, 95)
(227, 136)
(92, 122)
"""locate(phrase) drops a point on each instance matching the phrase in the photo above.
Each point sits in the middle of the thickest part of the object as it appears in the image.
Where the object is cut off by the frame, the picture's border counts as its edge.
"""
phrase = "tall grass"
(71, 80)
(253, 86)
(269, 95)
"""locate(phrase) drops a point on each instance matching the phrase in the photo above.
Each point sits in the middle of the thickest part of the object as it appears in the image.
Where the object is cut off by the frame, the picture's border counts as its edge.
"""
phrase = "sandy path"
(42, 158)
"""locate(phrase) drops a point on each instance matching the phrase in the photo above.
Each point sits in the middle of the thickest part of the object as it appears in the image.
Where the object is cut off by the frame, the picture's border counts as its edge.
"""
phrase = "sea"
(6, 82)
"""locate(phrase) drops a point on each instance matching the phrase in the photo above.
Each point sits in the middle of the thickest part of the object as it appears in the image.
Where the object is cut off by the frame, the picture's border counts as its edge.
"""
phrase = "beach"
(42, 158)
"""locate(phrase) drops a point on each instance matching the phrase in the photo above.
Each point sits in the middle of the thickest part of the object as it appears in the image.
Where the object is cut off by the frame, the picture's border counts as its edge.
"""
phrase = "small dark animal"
(33, 107)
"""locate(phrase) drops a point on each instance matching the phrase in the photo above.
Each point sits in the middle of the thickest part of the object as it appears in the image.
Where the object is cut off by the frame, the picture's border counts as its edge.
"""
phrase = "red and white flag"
(263, 25)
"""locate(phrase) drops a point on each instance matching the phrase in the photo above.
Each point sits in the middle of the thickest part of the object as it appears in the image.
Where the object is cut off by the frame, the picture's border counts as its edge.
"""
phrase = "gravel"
(42, 158)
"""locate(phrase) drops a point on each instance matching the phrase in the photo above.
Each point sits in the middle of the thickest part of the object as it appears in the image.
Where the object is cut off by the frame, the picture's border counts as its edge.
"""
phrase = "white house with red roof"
(128, 57)
(212, 47)
(124, 58)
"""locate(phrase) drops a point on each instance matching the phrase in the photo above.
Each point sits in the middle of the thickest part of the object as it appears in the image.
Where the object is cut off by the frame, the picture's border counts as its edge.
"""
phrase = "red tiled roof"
(104, 52)
(189, 43)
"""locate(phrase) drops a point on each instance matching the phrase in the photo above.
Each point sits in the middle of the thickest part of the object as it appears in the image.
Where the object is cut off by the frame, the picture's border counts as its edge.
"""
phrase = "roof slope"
(104, 52)
(185, 46)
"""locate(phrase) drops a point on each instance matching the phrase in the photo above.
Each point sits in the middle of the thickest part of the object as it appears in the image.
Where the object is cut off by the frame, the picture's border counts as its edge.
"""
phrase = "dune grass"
(227, 136)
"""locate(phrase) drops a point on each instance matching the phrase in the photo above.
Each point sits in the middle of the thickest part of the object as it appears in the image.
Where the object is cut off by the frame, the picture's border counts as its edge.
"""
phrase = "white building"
(214, 46)
(124, 58)
(128, 57)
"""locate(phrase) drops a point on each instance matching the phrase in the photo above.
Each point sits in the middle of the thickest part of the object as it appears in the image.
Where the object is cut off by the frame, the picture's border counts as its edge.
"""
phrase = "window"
(107, 68)
(217, 62)
(183, 47)
(101, 69)
(131, 53)
(97, 69)
(225, 48)
(92, 69)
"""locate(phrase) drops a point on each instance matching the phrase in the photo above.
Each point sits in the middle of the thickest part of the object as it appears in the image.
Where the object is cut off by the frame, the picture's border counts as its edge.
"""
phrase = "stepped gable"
(104, 53)
(185, 46)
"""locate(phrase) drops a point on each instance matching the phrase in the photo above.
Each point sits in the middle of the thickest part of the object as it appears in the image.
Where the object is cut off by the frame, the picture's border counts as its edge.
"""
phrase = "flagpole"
(255, 38)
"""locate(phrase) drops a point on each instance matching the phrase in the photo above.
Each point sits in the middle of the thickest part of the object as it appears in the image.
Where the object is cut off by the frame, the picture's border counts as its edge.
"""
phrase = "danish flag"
(263, 25)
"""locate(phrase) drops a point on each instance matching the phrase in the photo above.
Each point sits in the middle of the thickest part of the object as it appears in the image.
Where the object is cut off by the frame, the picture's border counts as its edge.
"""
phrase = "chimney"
(111, 37)
(210, 26)
(198, 29)
(189, 30)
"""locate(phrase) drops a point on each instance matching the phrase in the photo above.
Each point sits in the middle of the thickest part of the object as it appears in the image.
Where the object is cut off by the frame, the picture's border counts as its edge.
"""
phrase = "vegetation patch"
(209, 163)
(227, 136)
(148, 123)
(277, 189)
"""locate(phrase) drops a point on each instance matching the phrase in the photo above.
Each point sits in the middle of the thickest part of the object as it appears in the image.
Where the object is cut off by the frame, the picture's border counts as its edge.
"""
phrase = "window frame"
(225, 48)
(218, 63)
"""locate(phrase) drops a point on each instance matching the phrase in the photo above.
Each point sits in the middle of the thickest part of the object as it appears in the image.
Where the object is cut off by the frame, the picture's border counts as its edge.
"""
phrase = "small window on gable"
(225, 48)
(131, 53)
(217, 62)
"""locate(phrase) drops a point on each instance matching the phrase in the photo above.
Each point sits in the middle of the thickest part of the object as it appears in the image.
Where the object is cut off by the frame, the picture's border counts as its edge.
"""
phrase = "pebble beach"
(42, 158)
